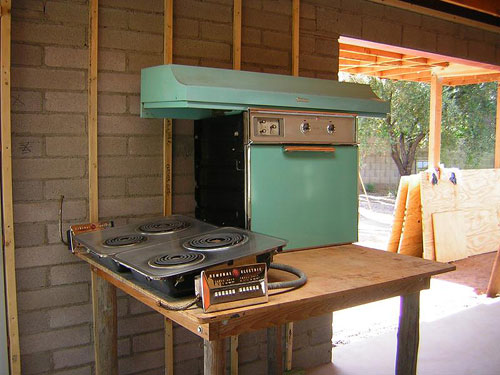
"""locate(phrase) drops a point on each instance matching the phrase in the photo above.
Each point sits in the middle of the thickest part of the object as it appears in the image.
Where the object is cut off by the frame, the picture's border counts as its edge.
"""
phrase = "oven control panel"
(266, 126)
(232, 287)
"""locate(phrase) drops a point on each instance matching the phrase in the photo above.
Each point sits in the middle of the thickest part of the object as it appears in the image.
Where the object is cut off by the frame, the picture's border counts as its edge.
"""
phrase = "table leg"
(104, 313)
(274, 351)
(169, 347)
(214, 357)
(408, 335)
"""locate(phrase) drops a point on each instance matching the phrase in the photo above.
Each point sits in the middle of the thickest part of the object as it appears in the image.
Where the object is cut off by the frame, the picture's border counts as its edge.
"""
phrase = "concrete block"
(379, 30)
(112, 146)
(70, 315)
(66, 57)
(48, 123)
(265, 56)
(73, 356)
(119, 82)
(321, 335)
(277, 40)
(48, 168)
(189, 351)
(141, 362)
(77, 188)
(349, 24)
(111, 60)
(56, 101)
(66, 12)
(186, 28)
(113, 207)
(44, 341)
(35, 363)
(308, 25)
(257, 367)
(146, 22)
(130, 40)
(27, 257)
(209, 63)
(253, 4)
(122, 304)
(111, 187)
(33, 322)
(27, 147)
(183, 336)
(138, 61)
(69, 274)
(134, 104)
(479, 51)
(248, 354)
(66, 146)
(32, 278)
(415, 37)
(312, 356)
(145, 146)
(203, 10)
(183, 184)
(146, 185)
(28, 77)
(216, 31)
(26, 101)
(25, 54)
(328, 20)
(109, 103)
(148, 341)
(145, 5)
(53, 297)
(307, 44)
(189, 367)
(124, 347)
(129, 125)
(202, 48)
(406, 17)
(327, 47)
(29, 234)
(47, 211)
(85, 370)
(27, 190)
(278, 6)
(110, 166)
(113, 18)
(48, 33)
(266, 21)
(250, 36)
(140, 324)
(319, 63)
(136, 307)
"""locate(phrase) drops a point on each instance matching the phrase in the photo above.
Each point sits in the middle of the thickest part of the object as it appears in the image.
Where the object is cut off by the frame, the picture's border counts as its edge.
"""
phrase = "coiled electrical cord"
(302, 278)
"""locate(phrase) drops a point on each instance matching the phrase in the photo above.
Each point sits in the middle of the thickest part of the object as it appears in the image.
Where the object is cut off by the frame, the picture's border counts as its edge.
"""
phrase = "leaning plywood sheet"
(411, 235)
(479, 189)
(438, 197)
(449, 236)
(399, 214)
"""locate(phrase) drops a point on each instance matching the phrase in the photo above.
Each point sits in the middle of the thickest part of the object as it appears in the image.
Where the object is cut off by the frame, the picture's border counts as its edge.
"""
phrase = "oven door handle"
(309, 148)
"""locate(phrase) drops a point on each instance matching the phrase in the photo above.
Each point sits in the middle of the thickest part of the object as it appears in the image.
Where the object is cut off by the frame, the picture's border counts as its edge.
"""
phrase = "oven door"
(306, 195)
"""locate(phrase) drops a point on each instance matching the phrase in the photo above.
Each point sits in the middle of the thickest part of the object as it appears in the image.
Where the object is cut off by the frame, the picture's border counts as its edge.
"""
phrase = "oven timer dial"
(330, 128)
(305, 127)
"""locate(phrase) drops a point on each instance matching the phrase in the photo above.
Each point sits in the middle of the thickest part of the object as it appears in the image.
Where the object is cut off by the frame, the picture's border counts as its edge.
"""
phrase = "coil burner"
(175, 260)
(164, 226)
(216, 241)
(125, 240)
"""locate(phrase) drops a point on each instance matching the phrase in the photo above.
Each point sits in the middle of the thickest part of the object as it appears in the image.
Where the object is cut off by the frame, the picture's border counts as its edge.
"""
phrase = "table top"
(338, 277)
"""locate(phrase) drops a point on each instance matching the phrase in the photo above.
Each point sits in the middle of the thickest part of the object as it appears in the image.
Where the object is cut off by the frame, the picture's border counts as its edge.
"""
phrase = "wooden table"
(338, 277)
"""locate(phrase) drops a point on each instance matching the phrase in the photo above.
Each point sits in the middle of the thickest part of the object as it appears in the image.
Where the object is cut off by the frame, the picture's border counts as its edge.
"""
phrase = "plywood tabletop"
(338, 277)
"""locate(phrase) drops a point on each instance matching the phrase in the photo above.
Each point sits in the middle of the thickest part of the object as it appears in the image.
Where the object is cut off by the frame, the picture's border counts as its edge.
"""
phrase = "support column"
(237, 34)
(408, 335)
(497, 133)
(214, 354)
(435, 121)
(295, 36)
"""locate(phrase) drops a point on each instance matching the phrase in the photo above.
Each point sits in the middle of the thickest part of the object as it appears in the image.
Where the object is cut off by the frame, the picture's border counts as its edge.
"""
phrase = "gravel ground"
(442, 299)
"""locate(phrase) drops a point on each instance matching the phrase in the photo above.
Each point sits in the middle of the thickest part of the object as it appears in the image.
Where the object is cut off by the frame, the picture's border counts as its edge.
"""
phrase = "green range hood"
(192, 92)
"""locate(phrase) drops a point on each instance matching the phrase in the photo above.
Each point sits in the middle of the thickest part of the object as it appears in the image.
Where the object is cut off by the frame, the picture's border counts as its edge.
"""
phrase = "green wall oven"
(285, 173)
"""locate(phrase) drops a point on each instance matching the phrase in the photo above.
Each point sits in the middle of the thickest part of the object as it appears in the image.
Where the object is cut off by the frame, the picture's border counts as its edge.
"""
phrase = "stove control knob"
(305, 127)
(236, 272)
(330, 128)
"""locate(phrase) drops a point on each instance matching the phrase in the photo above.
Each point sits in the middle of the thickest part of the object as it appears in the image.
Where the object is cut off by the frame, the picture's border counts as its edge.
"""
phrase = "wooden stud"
(274, 351)
(408, 335)
(288, 346)
(295, 36)
(497, 131)
(214, 357)
(435, 121)
(494, 283)
(92, 111)
(234, 355)
(237, 34)
(169, 347)
(7, 203)
(168, 32)
(105, 326)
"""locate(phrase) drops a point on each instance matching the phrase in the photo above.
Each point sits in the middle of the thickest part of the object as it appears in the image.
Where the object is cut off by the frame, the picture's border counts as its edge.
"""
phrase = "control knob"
(330, 128)
(305, 127)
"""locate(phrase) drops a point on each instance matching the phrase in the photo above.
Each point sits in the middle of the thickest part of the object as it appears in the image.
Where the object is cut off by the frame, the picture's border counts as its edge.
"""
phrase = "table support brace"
(214, 357)
(408, 335)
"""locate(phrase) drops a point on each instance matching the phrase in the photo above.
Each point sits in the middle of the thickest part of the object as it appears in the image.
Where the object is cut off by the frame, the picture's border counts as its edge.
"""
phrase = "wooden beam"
(7, 203)
(497, 132)
(484, 6)
(92, 111)
(470, 80)
(408, 335)
(288, 346)
(435, 121)
(169, 347)
(168, 31)
(237, 34)
(214, 357)
(295, 36)
(234, 355)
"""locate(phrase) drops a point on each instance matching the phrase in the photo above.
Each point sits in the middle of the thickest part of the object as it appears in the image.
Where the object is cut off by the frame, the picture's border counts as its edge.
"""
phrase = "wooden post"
(237, 34)
(214, 357)
(169, 347)
(288, 346)
(497, 133)
(295, 36)
(435, 121)
(168, 33)
(274, 351)
(7, 204)
(408, 335)
(494, 283)
(234, 355)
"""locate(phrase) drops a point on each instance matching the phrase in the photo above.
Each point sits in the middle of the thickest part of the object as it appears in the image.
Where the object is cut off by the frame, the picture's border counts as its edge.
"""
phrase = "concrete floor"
(465, 343)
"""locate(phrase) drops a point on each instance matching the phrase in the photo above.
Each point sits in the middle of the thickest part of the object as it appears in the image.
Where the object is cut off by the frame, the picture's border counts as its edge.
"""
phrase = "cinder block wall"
(49, 99)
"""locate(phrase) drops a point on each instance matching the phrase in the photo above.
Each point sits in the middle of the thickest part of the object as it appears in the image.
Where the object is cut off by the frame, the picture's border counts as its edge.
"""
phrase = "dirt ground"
(449, 293)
